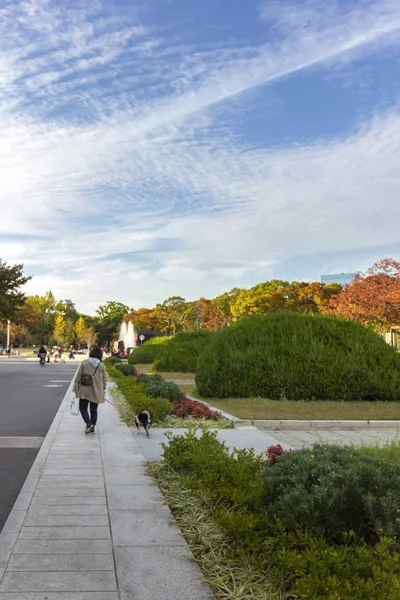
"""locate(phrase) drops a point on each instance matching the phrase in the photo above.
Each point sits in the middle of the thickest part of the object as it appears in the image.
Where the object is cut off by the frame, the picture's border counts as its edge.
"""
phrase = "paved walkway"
(300, 437)
(89, 523)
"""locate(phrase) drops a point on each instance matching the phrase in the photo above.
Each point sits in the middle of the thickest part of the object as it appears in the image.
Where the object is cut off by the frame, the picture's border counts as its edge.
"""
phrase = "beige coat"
(95, 392)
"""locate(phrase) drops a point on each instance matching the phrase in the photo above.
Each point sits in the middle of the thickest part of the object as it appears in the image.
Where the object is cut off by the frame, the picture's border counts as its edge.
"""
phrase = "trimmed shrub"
(182, 352)
(144, 377)
(125, 369)
(299, 357)
(331, 490)
(299, 563)
(147, 352)
(112, 360)
(158, 387)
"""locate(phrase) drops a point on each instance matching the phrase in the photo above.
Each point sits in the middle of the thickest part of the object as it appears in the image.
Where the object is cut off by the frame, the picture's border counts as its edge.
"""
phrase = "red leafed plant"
(193, 408)
(274, 452)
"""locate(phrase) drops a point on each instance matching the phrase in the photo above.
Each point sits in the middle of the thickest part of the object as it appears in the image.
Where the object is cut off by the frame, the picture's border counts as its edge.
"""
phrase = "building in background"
(342, 278)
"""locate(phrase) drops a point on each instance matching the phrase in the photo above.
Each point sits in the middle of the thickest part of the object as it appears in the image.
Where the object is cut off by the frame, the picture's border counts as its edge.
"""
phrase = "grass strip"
(230, 575)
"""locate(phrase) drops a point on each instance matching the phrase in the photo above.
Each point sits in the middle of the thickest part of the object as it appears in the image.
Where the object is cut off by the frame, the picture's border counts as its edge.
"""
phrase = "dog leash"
(125, 412)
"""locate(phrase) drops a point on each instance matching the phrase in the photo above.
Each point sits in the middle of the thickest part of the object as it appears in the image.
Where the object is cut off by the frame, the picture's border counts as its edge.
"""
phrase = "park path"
(89, 524)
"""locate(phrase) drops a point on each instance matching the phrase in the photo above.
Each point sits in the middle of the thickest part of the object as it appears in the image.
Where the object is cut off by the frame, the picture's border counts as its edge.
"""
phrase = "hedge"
(137, 396)
(147, 352)
(182, 351)
(299, 357)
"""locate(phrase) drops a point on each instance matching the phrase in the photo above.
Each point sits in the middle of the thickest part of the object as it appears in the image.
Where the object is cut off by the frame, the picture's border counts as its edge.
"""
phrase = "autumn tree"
(91, 337)
(209, 316)
(260, 299)
(374, 296)
(80, 330)
(59, 329)
(11, 296)
(18, 333)
(144, 318)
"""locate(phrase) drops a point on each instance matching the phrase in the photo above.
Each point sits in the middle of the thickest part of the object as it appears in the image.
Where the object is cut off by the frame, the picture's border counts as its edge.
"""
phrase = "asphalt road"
(29, 399)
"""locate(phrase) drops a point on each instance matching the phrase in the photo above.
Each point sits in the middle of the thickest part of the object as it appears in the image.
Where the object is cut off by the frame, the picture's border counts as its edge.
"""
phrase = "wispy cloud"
(111, 141)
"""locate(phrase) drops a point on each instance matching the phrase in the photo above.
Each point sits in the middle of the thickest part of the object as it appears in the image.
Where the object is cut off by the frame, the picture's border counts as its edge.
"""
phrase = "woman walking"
(89, 386)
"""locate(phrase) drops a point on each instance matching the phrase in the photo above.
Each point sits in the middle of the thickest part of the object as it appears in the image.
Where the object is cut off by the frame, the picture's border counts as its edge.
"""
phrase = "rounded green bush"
(147, 352)
(299, 357)
(125, 368)
(112, 360)
(332, 490)
(182, 351)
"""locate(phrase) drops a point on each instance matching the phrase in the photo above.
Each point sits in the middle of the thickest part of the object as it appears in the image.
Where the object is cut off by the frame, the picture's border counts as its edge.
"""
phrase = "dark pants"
(83, 407)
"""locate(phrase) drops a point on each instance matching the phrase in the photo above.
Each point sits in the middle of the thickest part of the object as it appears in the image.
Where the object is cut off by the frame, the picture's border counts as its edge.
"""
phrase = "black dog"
(143, 419)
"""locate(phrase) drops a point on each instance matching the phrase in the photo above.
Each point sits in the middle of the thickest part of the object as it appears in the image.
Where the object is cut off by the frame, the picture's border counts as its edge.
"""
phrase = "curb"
(318, 424)
(222, 412)
(8, 535)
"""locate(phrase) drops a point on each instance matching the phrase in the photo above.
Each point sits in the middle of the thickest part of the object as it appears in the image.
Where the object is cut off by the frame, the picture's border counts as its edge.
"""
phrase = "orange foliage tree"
(374, 296)
(144, 318)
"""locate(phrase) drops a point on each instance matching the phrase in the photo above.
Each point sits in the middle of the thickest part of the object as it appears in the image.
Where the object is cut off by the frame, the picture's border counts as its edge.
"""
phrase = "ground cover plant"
(297, 560)
(182, 351)
(147, 352)
(299, 357)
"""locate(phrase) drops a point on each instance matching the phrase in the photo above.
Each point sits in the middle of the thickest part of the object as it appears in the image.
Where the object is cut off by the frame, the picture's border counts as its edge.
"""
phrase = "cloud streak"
(111, 142)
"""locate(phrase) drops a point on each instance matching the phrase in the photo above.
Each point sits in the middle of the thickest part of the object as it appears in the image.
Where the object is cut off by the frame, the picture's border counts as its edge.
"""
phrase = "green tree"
(11, 297)
(173, 314)
(224, 304)
(109, 320)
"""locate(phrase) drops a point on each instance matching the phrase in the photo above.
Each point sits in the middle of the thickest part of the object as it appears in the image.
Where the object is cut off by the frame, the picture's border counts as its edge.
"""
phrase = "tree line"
(372, 298)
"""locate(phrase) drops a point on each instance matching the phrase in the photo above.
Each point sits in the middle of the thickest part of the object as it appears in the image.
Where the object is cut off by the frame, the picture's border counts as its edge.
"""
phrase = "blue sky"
(161, 148)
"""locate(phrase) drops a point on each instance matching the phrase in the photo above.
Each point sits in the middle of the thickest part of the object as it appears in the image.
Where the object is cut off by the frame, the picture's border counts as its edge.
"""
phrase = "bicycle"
(42, 359)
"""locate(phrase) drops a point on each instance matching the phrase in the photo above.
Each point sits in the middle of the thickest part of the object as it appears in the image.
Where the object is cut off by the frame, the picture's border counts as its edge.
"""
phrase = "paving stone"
(159, 574)
(63, 547)
(72, 472)
(144, 528)
(77, 500)
(2, 569)
(70, 492)
(64, 533)
(61, 562)
(62, 483)
(60, 596)
(68, 510)
(58, 581)
(40, 520)
(127, 476)
(139, 497)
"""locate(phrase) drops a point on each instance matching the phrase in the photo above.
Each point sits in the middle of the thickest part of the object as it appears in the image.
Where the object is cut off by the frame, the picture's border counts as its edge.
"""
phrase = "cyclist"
(42, 355)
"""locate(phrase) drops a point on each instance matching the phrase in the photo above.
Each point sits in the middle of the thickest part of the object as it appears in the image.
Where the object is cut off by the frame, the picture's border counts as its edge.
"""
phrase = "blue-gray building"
(341, 278)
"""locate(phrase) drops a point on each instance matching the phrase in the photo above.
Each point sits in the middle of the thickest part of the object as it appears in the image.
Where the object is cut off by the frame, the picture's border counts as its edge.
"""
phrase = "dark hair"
(96, 353)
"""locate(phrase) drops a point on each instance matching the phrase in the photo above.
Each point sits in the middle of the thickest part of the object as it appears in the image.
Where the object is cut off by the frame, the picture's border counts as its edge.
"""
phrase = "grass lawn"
(261, 408)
